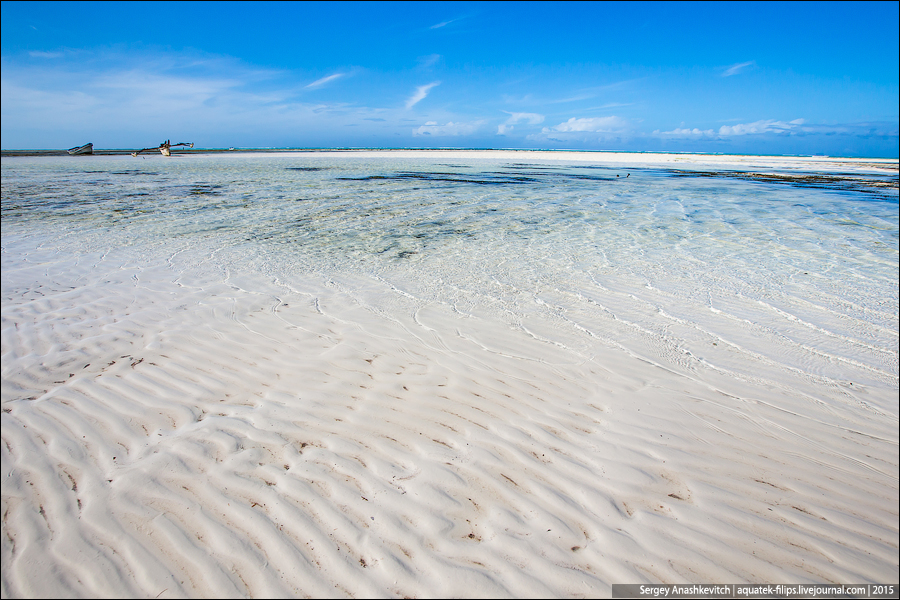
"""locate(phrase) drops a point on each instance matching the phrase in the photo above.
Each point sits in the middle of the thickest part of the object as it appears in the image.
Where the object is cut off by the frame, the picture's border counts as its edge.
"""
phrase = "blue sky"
(757, 78)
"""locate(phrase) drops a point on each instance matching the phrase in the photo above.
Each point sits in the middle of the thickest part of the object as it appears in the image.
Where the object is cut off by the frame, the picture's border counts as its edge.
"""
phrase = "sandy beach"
(187, 420)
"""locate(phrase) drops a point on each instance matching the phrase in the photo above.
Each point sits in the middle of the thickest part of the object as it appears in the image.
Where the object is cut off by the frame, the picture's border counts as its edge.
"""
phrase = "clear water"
(751, 278)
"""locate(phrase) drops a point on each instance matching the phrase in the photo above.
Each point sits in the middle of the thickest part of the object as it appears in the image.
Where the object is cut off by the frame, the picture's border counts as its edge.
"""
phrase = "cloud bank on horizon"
(761, 79)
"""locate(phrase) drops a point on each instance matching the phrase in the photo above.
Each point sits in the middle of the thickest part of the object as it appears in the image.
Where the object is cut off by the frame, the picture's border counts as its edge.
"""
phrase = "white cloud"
(684, 132)
(763, 126)
(586, 130)
(735, 69)
(796, 127)
(420, 94)
(320, 82)
(520, 117)
(591, 124)
(757, 127)
(451, 128)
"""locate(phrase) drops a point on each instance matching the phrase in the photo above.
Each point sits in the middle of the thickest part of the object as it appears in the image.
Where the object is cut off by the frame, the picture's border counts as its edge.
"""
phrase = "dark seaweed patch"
(126, 172)
(559, 167)
(876, 185)
(534, 167)
(203, 189)
(483, 179)
(560, 176)
(536, 174)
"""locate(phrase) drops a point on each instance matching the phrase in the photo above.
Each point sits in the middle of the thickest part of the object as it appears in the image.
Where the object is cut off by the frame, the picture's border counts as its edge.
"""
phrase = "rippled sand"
(176, 427)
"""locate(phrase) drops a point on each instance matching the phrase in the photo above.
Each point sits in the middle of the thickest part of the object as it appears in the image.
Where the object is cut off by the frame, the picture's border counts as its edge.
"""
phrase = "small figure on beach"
(165, 148)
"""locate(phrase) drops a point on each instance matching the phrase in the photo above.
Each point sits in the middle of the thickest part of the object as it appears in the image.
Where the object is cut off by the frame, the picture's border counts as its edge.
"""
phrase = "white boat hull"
(86, 149)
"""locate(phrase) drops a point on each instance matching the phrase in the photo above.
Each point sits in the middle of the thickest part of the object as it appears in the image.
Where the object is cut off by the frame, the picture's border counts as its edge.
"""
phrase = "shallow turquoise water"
(675, 265)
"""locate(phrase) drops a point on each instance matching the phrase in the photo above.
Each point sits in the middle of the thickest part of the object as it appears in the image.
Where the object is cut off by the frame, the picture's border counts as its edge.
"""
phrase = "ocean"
(696, 269)
(446, 374)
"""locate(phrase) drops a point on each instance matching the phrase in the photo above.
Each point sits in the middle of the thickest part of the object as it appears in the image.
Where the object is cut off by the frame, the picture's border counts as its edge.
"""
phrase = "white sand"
(171, 433)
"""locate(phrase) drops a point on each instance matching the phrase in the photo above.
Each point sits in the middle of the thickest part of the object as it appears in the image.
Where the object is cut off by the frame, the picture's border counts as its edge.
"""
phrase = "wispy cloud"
(320, 82)
(450, 129)
(443, 23)
(420, 94)
(426, 62)
(41, 54)
(610, 105)
(735, 69)
(595, 91)
(576, 98)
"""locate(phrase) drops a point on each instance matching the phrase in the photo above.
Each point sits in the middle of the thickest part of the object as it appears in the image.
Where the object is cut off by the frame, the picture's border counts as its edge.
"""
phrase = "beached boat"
(86, 149)
(165, 148)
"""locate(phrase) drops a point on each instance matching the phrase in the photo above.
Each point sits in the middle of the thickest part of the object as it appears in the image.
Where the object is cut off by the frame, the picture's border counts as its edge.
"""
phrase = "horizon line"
(11, 152)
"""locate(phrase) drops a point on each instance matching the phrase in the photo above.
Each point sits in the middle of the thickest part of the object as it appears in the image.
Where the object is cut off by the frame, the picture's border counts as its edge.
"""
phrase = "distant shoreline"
(791, 168)
(593, 153)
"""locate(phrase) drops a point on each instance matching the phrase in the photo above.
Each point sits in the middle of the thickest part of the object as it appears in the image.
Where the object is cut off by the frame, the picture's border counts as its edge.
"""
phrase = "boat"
(165, 148)
(86, 149)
